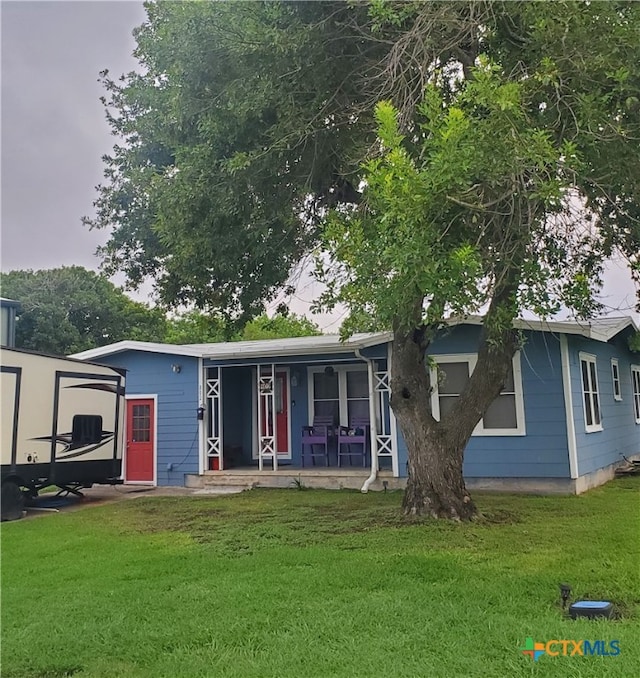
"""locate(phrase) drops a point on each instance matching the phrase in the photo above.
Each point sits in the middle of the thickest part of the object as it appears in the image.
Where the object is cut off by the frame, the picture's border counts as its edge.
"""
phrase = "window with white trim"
(615, 376)
(505, 415)
(590, 394)
(635, 390)
(341, 392)
(326, 395)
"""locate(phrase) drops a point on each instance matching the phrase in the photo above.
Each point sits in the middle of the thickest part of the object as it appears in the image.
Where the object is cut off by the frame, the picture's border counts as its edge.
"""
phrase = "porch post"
(215, 459)
(267, 447)
(387, 435)
(202, 454)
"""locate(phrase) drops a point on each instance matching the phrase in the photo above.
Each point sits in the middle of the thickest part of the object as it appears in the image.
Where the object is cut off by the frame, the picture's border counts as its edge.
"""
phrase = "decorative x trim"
(384, 444)
(213, 388)
(382, 381)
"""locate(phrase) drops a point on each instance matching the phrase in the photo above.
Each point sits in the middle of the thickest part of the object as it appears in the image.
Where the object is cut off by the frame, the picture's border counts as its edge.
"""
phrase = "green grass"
(286, 583)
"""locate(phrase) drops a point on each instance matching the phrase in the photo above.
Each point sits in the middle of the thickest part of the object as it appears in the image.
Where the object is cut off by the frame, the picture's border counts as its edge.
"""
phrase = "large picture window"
(635, 389)
(505, 415)
(590, 395)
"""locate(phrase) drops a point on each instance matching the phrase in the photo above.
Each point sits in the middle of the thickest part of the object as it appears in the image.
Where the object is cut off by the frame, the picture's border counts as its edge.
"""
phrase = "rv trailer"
(62, 425)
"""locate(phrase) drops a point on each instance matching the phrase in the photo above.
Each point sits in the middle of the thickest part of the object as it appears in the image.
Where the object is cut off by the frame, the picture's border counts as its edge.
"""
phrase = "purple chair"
(355, 438)
(316, 439)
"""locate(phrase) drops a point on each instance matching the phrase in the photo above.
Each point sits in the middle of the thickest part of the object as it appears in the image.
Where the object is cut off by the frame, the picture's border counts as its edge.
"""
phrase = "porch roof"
(266, 348)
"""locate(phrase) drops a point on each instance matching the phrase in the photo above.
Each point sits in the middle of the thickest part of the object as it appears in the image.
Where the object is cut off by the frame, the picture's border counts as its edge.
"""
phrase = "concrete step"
(330, 479)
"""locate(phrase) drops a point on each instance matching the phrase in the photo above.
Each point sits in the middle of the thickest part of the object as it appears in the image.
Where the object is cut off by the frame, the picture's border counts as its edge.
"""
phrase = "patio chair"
(355, 438)
(316, 438)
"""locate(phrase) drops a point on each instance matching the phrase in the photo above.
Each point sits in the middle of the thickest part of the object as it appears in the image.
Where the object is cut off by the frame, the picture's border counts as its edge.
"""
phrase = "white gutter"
(373, 426)
(568, 406)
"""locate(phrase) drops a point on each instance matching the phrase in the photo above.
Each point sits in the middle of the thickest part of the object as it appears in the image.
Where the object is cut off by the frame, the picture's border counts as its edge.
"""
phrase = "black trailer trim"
(61, 374)
(16, 410)
(100, 471)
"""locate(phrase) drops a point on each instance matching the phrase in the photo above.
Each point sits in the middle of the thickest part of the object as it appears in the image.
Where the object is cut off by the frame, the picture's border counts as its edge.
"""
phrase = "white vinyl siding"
(615, 376)
(505, 415)
(635, 389)
(590, 393)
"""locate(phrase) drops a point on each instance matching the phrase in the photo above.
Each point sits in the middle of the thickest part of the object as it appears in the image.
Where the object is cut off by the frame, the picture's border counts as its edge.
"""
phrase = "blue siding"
(620, 434)
(543, 451)
(177, 425)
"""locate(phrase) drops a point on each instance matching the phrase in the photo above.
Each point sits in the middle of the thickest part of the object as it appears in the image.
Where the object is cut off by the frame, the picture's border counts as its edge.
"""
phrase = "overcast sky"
(54, 133)
(54, 130)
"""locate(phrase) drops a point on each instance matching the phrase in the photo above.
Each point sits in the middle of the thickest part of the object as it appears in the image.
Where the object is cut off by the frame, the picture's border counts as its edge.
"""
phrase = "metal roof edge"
(144, 346)
(586, 329)
(264, 351)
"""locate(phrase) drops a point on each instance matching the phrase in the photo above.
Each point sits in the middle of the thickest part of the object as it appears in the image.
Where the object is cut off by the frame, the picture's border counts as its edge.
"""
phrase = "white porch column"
(213, 385)
(388, 434)
(267, 448)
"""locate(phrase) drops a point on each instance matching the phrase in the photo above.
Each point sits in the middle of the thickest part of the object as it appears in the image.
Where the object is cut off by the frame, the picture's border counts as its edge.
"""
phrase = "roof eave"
(144, 347)
(347, 347)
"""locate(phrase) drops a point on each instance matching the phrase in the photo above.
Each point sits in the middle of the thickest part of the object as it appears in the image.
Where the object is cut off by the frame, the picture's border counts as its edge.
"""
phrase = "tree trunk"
(435, 486)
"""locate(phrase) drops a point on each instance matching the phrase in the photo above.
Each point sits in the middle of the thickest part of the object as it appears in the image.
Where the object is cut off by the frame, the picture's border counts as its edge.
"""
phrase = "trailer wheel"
(12, 501)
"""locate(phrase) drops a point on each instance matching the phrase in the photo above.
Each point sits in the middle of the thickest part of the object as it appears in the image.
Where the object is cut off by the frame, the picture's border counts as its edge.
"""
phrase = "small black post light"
(565, 592)
(329, 371)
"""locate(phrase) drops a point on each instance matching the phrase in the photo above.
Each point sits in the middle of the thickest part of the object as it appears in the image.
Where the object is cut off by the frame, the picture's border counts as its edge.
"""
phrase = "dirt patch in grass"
(56, 672)
(499, 517)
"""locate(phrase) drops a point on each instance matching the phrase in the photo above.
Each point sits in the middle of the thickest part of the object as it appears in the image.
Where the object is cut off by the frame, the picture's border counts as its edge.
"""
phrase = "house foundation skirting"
(547, 485)
(326, 479)
(353, 479)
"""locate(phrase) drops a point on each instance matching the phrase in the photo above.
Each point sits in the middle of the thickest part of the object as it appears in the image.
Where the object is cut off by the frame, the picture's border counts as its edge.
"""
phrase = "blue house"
(241, 413)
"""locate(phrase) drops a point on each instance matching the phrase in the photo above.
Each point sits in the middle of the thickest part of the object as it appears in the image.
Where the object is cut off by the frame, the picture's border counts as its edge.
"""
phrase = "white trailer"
(62, 424)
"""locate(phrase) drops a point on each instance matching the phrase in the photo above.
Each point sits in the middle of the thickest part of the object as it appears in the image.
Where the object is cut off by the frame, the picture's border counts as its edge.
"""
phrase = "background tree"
(279, 326)
(195, 327)
(70, 309)
(250, 120)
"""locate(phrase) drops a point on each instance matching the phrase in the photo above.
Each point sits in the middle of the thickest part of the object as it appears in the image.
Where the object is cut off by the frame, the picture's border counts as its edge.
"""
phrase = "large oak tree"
(502, 172)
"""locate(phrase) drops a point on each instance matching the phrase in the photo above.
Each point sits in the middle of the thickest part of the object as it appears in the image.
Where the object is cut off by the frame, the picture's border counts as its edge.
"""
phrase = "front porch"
(292, 478)
(255, 413)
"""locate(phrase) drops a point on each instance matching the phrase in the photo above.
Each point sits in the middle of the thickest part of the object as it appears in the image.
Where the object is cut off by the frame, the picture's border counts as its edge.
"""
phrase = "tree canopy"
(217, 162)
(70, 309)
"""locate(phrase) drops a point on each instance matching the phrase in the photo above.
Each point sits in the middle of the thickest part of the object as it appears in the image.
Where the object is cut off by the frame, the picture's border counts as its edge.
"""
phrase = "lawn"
(312, 583)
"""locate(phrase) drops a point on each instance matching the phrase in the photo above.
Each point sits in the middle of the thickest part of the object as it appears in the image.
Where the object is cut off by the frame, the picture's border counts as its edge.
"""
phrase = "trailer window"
(87, 429)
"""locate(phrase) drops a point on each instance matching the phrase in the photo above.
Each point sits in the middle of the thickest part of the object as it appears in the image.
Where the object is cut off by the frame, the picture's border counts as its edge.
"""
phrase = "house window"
(342, 394)
(326, 396)
(141, 424)
(615, 375)
(590, 395)
(505, 415)
(357, 395)
(635, 388)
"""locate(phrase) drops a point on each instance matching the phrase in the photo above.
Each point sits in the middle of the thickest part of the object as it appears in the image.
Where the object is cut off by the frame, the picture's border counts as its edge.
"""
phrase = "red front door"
(140, 455)
(282, 413)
